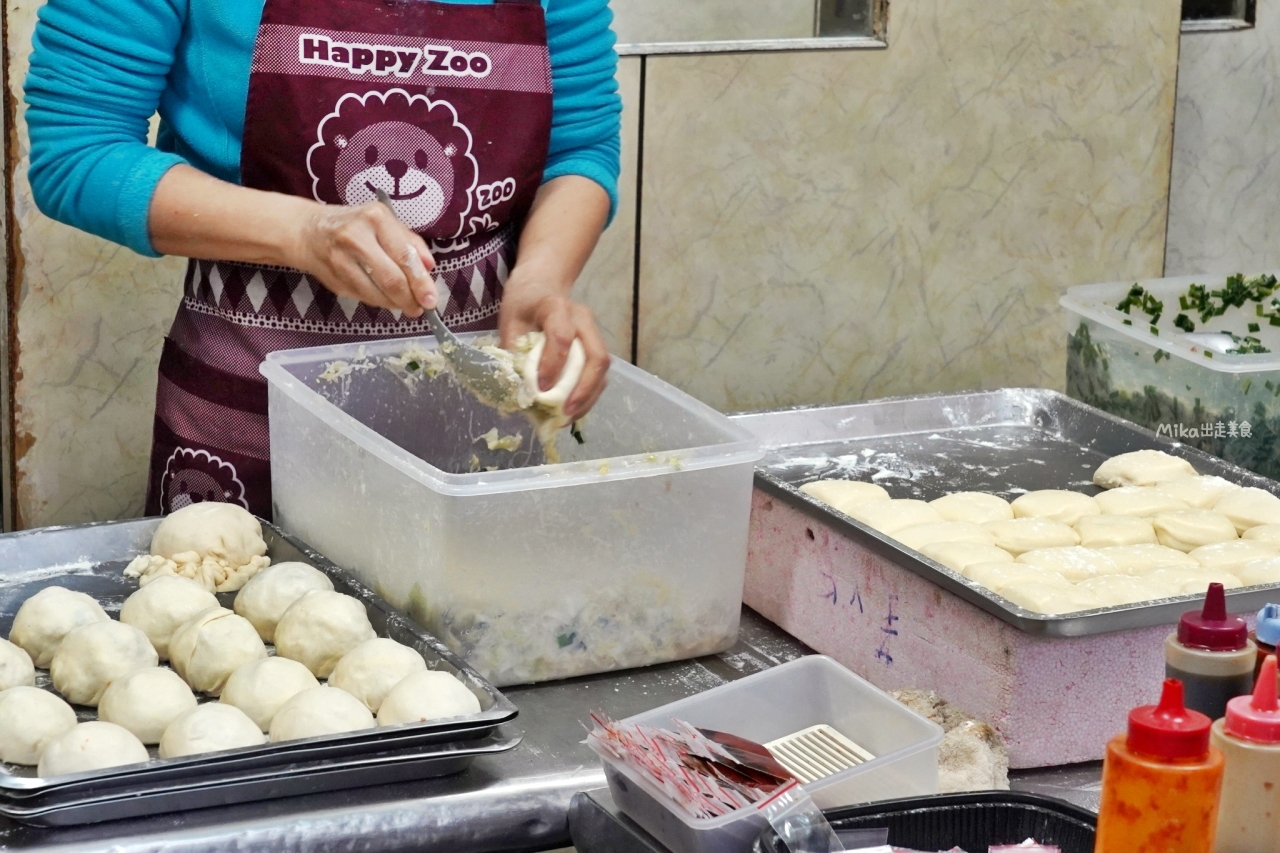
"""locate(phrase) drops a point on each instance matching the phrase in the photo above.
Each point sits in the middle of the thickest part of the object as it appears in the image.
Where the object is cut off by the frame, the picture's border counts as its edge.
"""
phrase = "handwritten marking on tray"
(833, 594)
(887, 632)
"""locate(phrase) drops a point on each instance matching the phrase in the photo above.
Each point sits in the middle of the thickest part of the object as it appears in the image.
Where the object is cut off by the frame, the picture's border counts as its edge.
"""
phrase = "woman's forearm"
(361, 252)
(562, 230)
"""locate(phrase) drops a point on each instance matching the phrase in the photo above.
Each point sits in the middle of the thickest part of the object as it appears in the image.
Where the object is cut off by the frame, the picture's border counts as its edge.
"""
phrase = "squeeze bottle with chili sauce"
(1160, 782)
(1267, 634)
(1249, 737)
(1212, 655)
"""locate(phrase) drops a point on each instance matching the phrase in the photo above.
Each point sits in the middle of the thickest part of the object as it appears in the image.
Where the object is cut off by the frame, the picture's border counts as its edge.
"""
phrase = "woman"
(280, 122)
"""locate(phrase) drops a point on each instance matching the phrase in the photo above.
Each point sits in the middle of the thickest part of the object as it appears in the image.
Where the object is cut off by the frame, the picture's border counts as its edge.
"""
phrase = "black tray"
(969, 821)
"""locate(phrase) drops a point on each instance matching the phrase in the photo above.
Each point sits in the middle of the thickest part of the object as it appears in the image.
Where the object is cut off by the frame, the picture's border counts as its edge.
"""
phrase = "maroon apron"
(447, 108)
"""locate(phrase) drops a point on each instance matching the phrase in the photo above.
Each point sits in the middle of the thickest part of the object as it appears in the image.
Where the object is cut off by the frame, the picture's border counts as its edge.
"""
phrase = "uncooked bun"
(1188, 529)
(94, 655)
(207, 649)
(425, 696)
(320, 711)
(211, 727)
(973, 507)
(158, 608)
(1073, 563)
(1188, 580)
(1028, 534)
(960, 555)
(260, 687)
(371, 669)
(1140, 559)
(320, 627)
(1139, 501)
(1121, 590)
(1259, 572)
(48, 616)
(921, 535)
(1048, 599)
(1055, 505)
(1109, 531)
(1250, 508)
(840, 494)
(91, 746)
(219, 545)
(996, 576)
(1141, 468)
(1199, 491)
(16, 669)
(269, 593)
(889, 517)
(547, 407)
(29, 719)
(145, 702)
(1263, 533)
(1229, 556)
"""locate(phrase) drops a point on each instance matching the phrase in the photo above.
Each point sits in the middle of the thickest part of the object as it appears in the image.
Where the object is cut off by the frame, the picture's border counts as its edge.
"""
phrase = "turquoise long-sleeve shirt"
(101, 68)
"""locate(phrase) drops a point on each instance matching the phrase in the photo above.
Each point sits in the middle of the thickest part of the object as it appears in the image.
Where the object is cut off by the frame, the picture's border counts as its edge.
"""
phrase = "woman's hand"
(529, 304)
(366, 253)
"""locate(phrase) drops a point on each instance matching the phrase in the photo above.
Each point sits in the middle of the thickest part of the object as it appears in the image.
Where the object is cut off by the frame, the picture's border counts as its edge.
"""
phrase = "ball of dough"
(1028, 534)
(1263, 533)
(996, 576)
(1073, 563)
(146, 701)
(158, 608)
(1196, 581)
(219, 545)
(1229, 556)
(1250, 508)
(269, 593)
(207, 649)
(211, 727)
(1188, 529)
(1199, 491)
(1048, 599)
(94, 655)
(1120, 590)
(16, 669)
(425, 696)
(91, 746)
(973, 507)
(921, 535)
(1055, 505)
(321, 627)
(1141, 468)
(48, 616)
(1140, 559)
(547, 407)
(889, 517)
(840, 494)
(371, 669)
(960, 555)
(1138, 501)
(1109, 531)
(317, 712)
(1257, 572)
(30, 718)
(260, 687)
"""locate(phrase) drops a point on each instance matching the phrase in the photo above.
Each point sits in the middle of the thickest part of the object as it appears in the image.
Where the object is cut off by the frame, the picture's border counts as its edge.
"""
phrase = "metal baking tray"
(1006, 442)
(91, 559)
(381, 768)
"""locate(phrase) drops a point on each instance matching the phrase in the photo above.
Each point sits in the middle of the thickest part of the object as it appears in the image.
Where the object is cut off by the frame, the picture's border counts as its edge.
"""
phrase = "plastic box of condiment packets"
(1194, 358)
(630, 551)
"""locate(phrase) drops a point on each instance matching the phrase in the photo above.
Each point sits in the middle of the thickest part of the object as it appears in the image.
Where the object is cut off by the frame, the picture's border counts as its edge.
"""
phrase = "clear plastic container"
(629, 552)
(1183, 385)
(768, 705)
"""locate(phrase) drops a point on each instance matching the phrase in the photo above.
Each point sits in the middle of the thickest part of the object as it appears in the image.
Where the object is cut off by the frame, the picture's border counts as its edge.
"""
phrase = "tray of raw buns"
(207, 659)
(1050, 514)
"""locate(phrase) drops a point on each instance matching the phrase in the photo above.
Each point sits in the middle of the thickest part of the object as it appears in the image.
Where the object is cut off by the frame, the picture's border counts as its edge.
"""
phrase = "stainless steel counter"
(516, 801)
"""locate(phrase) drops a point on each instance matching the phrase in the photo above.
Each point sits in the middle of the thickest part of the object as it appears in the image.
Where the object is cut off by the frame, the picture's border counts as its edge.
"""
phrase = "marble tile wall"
(650, 21)
(90, 317)
(836, 226)
(1224, 210)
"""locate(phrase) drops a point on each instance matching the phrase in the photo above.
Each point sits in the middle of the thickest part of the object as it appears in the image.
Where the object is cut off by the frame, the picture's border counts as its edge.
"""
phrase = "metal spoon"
(480, 372)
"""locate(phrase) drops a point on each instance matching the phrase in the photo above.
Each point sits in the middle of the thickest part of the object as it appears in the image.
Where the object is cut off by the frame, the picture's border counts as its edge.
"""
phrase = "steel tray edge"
(1082, 624)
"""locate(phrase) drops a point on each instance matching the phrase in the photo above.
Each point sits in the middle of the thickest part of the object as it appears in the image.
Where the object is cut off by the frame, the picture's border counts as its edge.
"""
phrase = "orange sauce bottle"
(1161, 781)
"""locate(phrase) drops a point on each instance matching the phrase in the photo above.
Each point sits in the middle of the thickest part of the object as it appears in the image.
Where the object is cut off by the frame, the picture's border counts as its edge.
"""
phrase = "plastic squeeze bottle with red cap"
(1160, 782)
(1249, 737)
(1212, 655)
